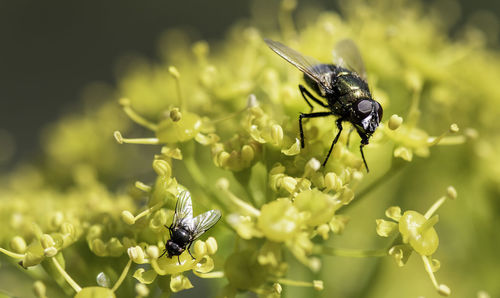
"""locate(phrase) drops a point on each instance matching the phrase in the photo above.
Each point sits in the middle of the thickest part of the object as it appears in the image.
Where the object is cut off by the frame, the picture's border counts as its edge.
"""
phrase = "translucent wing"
(346, 54)
(183, 209)
(307, 65)
(205, 221)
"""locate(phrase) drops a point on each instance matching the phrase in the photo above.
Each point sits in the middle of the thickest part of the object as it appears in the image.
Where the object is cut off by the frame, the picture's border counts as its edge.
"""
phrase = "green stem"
(215, 274)
(353, 253)
(122, 276)
(12, 254)
(66, 276)
(296, 283)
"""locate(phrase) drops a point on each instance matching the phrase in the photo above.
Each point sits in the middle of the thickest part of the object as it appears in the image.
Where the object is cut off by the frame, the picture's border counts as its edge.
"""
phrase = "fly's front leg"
(305, 93)
(310, 115)
(339, 126)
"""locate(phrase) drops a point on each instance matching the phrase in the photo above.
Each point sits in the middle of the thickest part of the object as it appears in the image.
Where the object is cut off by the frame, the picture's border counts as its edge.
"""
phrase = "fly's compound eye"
(364, 108)
(380, 111)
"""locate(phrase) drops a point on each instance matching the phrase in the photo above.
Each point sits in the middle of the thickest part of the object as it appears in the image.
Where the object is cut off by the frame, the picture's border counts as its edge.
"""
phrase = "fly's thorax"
(180, 236)
(350, 86)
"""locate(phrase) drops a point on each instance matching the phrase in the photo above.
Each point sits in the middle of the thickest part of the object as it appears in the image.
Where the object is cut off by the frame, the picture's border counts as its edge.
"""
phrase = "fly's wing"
(346, 54)
(307, 65)
(183, 210)
(205, 221)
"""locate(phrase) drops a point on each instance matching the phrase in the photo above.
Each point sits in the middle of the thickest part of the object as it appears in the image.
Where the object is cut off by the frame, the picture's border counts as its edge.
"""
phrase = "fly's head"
(367, 114)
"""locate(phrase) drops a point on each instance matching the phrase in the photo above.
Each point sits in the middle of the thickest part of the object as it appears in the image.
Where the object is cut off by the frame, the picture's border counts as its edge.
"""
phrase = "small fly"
(342, 86)
(185, 229)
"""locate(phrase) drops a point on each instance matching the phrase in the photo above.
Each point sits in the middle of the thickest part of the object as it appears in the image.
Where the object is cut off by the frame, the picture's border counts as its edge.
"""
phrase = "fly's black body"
(343, 89)
(185, 229)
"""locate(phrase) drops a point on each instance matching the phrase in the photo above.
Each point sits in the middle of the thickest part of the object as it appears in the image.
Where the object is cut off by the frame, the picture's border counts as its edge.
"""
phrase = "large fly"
(342, 87)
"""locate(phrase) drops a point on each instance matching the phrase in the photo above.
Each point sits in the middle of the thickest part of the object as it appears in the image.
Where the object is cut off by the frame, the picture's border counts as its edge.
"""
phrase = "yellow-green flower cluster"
(224, 119)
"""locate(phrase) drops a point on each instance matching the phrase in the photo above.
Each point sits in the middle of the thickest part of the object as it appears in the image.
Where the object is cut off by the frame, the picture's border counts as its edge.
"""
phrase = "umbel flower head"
(224, 120)
(416, 233)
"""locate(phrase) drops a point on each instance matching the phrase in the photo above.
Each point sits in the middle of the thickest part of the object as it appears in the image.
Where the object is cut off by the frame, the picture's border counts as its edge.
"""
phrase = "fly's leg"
(339, 126)
(364, 141)
(189, 246)
(163, 253)
(310, 115)
(305, 93)
(349, 137)
(178, 260)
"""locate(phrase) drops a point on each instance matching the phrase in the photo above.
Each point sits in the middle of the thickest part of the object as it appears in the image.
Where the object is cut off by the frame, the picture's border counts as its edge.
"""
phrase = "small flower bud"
(124, 101)
(39, 289)
(332, 181)
(153, 252)
(103, 280)
(211, 245)
(57, 219)
(68, 229)
(223, 158)
(247, 153)
(454, 128)
(451, 192)
(200, 248)
(277, 134)
(174, 72)
(323, 231)
(403, 153)
(386, 228)
(277, 288)
(175, 114)
(141, 289)
(395, 122)
(128, 217)
(313, 164)
(136, 254)
(98, 247)
(315, 265)
(393, 212)
(162, 167)
(118, 137)
(444, 290)
(293, 150)
(47, 241)
(18, 245)
(50, 252)
(179, 282)
(318, 285)
(252, 101)
(289, 184)
(114, 247)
